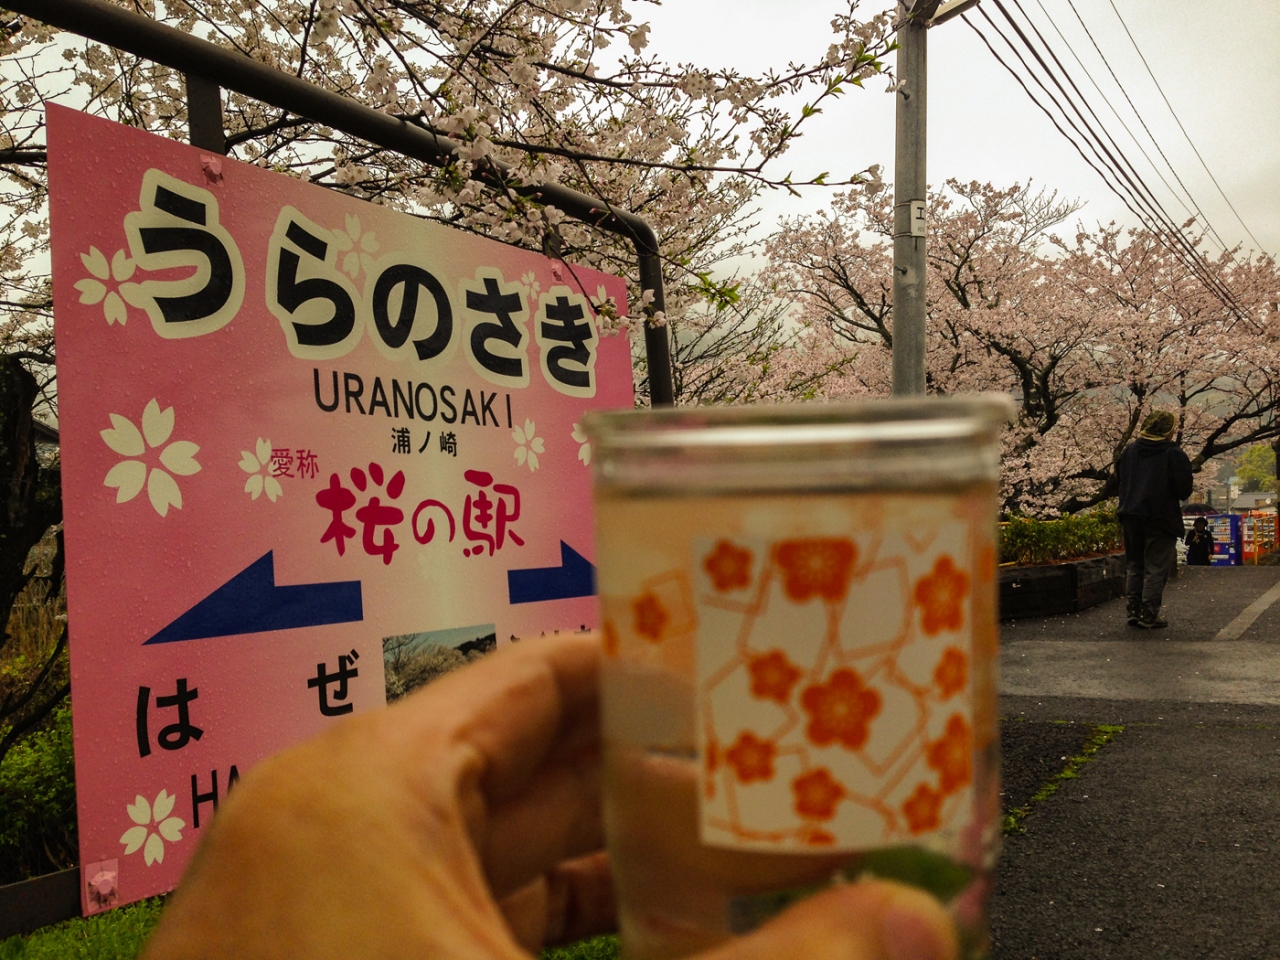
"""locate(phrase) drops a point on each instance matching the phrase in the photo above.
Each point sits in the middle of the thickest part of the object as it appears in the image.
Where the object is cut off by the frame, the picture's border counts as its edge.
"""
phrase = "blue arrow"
(250, 602)
(575, 577)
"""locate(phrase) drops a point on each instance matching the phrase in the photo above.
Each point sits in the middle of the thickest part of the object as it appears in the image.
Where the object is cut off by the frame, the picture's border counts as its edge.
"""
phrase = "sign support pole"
(144, 37)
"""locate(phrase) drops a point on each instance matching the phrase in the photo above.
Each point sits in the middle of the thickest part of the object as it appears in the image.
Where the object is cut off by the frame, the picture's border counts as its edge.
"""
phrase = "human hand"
(464, 822)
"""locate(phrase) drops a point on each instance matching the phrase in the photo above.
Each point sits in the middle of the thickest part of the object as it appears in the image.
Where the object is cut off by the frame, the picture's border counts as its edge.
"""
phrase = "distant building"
(1246, 502)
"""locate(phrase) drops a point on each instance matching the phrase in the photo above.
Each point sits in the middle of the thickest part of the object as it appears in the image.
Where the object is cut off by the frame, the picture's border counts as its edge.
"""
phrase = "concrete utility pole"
(909, 183)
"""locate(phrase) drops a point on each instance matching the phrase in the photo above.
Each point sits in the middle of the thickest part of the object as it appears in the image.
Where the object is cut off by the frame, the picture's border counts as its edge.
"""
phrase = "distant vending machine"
(1257, 536)
(1226, 540)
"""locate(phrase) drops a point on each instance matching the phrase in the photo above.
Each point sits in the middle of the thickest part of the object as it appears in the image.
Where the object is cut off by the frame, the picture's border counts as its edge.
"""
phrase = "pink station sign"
(294, 425)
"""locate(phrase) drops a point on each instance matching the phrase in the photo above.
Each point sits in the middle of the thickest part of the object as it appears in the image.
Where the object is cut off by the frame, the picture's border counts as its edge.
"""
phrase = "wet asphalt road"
(1167, 843)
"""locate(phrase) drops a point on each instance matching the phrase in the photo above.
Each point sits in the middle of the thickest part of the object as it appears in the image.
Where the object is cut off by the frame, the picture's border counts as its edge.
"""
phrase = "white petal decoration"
(351, 264)
(171, 829)
(578, 433)
(521, 453)
(96, 263)
(254, 485)
(529, 429)
(163, 491)
(157, 424)
(248, 462)
(537, 445)
(122, 267)
(353, 226)
(163, 805)
(123, 437)
(273, 488)
(179, 456)
(264, 451)
(133, 838)
(133, 295)
(368, 244)
(153, 852)
(584, 453)
(139, 810)
(518, 436)
(115, 310)
(91, 291)
(533, 461)
(127, 477)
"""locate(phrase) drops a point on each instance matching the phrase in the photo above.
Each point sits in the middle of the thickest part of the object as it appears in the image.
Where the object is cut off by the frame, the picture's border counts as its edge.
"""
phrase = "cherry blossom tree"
(1087, 335)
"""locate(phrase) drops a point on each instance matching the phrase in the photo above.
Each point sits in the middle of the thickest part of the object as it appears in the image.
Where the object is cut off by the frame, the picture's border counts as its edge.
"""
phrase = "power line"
(1122, 166)
(1130, 193)
(1196, 212)
(1181, 127)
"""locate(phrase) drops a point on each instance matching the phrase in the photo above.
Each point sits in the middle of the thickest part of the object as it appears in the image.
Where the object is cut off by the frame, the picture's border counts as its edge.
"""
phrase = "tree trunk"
(30, 495)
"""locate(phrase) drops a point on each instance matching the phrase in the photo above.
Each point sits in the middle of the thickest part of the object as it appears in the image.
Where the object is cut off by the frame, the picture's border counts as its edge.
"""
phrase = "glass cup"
(799, 616)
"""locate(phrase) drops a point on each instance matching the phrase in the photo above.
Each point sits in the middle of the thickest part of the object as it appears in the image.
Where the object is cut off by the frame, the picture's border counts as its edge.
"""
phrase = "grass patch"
(120, 934)
(1103, 734)
(114, 935)
(606, 947)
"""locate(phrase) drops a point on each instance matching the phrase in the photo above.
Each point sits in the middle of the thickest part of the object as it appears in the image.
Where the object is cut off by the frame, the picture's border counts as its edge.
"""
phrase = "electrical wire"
(1125, 183)
(1181, 127)
(1119, 161)
(1192, 210)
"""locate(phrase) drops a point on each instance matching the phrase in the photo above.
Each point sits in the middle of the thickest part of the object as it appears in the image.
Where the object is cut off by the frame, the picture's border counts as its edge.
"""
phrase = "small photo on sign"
(414, 659)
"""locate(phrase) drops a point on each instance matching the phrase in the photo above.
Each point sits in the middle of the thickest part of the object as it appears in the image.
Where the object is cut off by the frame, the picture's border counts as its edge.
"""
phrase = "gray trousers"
(1149, 554)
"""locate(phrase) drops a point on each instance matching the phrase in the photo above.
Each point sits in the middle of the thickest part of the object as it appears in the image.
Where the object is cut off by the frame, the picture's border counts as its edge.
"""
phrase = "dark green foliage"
(38, 802)
(1026, 541)
(597, 948)
(114, 935)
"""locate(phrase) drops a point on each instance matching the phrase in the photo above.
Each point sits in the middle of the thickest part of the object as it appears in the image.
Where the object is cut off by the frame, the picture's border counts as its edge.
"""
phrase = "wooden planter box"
(1058, 588)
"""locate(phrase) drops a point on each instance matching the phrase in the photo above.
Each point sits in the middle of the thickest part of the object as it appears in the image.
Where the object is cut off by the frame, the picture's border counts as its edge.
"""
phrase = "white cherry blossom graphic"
(584, 450)
(93, 289)
(147, 816)
(257, 464)
(358, 247)
(528, 445)
(129, 476)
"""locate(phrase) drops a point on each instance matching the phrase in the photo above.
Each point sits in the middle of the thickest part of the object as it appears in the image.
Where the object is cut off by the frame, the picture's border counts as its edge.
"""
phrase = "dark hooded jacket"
(1155, 475)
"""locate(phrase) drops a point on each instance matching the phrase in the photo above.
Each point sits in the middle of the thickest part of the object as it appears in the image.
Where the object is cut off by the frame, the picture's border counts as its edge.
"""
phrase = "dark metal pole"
(144, 37)
(204, 114)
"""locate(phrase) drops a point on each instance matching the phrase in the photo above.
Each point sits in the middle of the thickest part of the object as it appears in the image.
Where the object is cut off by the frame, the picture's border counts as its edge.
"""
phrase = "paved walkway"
(1167, 843)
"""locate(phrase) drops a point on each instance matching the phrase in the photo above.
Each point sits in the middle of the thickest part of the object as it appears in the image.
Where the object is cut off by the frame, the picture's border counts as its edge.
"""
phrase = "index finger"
(508, 713)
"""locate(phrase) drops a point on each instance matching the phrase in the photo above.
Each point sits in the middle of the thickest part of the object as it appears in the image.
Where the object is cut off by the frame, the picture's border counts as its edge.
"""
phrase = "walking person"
(1155, 476)
(1199, 543)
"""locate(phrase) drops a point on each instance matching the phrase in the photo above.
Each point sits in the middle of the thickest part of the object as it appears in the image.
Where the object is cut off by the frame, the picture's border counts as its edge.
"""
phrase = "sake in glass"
(799, 615)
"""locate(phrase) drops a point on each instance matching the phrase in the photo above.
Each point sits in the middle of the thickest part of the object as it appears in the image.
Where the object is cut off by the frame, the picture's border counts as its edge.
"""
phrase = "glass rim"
(885, 421)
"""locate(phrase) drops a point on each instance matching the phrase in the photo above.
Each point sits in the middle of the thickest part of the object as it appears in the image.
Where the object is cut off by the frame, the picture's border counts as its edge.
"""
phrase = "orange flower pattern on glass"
(891, 630)
(840, 710)
(651, 617)
(751, 758)
(817, 794)
(818, 567)
(610, 640)
(819, 838)
(772, 676)
(729, 567)
(941, 597)
(952, 672)
(922, 809)
(952, 756)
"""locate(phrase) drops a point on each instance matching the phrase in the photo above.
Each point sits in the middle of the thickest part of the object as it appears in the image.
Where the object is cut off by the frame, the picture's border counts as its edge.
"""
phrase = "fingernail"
(908, 936)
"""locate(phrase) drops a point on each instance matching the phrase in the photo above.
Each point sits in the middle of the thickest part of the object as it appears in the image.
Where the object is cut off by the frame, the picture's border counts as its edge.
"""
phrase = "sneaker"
(1135, 613)
(1150, 620)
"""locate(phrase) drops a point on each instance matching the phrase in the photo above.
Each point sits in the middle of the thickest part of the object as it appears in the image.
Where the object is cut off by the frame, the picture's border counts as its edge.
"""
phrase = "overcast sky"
(1216, 62)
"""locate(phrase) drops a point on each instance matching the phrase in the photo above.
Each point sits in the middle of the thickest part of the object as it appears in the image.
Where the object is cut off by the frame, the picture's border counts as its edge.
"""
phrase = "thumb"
(869, 920)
